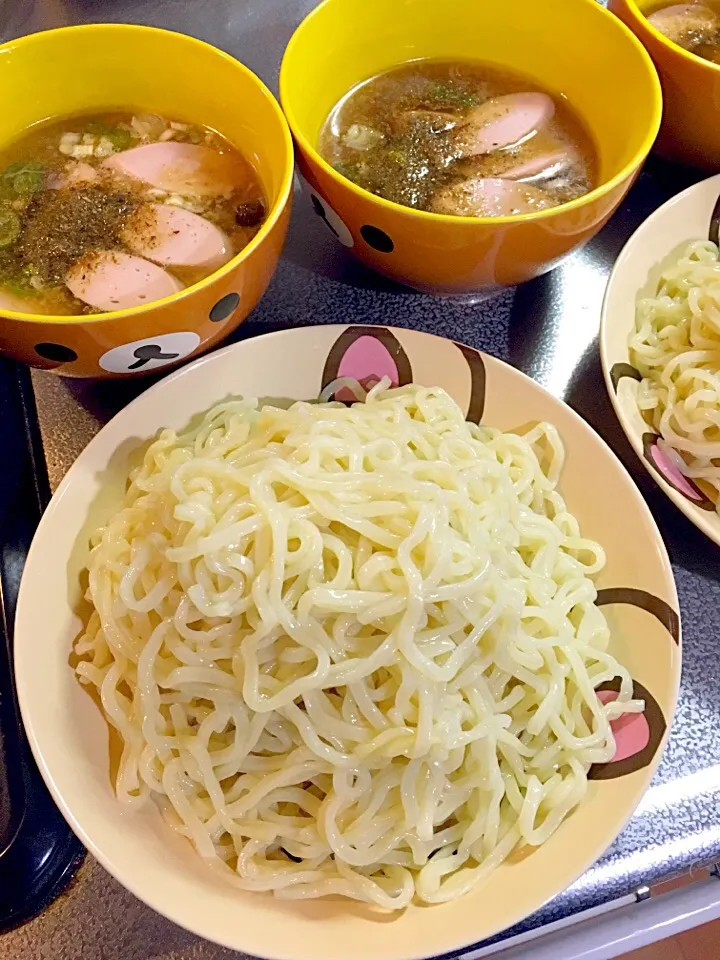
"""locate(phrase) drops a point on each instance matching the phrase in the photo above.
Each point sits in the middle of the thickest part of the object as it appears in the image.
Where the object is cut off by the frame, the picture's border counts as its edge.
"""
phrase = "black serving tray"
(38, 852)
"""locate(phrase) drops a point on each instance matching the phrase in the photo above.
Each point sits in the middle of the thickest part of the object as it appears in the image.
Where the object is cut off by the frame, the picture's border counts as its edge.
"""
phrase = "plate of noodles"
(660, 347)
(353, 641)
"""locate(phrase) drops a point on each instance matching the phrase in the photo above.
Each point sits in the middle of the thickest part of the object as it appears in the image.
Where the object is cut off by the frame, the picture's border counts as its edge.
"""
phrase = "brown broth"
(41, 227)
(368, 138)
(699, 34)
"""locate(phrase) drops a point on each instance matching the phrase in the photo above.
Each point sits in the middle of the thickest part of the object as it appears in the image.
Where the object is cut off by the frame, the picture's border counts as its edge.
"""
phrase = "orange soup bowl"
(94, 68)
(691, 91)
(577, 50)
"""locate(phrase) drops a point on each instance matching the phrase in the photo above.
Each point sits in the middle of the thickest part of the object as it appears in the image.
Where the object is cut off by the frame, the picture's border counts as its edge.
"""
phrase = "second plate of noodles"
(660, 343)
(363, 653)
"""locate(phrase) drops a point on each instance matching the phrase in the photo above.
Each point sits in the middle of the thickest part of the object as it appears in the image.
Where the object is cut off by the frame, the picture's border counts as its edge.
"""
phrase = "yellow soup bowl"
(574, 49)
(691, 91)
(103, 66)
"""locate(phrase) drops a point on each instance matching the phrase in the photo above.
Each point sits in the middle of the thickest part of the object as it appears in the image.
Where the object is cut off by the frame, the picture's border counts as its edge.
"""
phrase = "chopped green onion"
(29, 181)
(119, 137)
(25, 177)
(9, 227)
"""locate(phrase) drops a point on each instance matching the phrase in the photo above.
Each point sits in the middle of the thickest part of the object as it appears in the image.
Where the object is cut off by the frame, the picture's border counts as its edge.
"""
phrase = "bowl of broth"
(142, 213)
(462, 147)
(684, 43)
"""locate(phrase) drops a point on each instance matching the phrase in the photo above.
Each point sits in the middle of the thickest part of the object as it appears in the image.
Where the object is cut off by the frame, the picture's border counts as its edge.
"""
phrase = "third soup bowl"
(691, 90)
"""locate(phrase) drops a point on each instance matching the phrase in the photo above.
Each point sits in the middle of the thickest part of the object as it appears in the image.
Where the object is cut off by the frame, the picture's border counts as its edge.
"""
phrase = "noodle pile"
(676, 348)
(352, 650)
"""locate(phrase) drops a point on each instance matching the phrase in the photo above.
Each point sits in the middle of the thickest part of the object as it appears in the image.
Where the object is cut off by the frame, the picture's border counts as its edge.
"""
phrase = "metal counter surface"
(548, 329)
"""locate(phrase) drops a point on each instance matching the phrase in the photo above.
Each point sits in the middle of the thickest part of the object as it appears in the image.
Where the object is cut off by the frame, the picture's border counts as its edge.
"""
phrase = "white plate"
(70, 737)
(655, 244)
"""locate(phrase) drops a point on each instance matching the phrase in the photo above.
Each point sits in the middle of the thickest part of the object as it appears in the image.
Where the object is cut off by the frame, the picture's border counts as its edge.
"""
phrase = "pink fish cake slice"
(173, 236)
(502, 122)
(490, 197)
(187, 169)
(113, 280)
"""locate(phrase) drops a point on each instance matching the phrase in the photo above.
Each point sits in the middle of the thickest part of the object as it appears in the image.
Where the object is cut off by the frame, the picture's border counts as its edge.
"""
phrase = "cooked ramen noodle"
(116, 210)
(676, 348)
(352, 650)
(460, 138)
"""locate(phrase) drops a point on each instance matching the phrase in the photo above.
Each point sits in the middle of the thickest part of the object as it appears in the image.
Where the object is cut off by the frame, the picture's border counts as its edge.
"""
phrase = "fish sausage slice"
(174, 237)
(490, 197)
(185, 168)
(684, 22)
(502, 122)
(112, 280)
(546, 163)
(76, 174)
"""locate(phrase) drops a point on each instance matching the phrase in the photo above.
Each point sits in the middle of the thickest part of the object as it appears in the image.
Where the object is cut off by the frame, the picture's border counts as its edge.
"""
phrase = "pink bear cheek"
(631, 731)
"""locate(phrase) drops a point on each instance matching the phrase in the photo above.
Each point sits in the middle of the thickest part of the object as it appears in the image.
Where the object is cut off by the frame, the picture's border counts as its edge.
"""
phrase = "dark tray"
(38, 851)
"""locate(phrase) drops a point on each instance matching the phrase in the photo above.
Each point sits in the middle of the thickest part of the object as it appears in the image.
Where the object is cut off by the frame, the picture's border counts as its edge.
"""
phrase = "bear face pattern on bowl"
(69, 736)
(135, 341)
(691, 215)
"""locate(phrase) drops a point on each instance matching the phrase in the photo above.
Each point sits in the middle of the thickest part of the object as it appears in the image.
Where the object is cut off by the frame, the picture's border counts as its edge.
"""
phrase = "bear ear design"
(714, 229)
(659, 608)
(476, 405)
(637, 735)
(658, 455)
(367, 354)
(620, 370)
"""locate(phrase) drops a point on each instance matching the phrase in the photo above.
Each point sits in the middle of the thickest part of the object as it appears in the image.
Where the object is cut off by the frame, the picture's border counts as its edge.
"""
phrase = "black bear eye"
(55, 352)
(377, 239)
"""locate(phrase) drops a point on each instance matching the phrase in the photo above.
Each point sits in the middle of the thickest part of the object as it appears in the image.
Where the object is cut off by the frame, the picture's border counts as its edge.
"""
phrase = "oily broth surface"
(38, 147)
(409, 167)
(704, 44)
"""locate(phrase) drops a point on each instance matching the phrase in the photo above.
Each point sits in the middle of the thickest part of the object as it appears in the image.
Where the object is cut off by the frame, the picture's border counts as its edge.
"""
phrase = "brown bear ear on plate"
(635, 597)
(637, 735)
(714, 229)
(620, 370)
(367, 354)
(476, 405)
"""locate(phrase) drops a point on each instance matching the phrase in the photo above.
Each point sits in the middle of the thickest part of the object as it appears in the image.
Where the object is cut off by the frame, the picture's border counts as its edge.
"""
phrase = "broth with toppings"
(460, 138)
(693, 26)
(115, 210)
